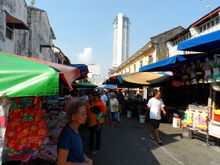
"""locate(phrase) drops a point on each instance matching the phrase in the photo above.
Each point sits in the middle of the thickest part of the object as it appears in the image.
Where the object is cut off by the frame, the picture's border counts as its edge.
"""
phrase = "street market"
(159, 105)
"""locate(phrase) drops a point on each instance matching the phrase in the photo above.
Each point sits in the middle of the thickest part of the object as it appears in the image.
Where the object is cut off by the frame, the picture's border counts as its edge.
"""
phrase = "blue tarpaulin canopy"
(206, 43)
(164, 65)
(175, 62)
(83, 68)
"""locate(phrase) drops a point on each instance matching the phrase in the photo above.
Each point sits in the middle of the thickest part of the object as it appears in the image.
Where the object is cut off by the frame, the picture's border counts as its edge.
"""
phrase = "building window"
(209, 24)
(141, 63)
(129, 70)
(150, 59)
(9, 31)
(134, 67)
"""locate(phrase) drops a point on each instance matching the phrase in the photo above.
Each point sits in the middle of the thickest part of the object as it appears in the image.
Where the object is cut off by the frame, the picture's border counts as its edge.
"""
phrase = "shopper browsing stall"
(156, 105)
(70, 146)
(95, 106)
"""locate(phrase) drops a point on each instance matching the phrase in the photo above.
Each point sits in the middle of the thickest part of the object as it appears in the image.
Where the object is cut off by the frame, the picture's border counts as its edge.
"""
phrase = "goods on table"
(196, 117)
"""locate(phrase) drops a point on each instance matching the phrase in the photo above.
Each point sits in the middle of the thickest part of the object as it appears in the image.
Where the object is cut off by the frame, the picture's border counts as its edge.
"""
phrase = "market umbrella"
(20, 77)
(67, 73)
(88, 85)
(147, 78)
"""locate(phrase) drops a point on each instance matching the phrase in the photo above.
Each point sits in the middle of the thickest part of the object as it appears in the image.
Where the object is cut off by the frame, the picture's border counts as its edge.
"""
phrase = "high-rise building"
(120, 39)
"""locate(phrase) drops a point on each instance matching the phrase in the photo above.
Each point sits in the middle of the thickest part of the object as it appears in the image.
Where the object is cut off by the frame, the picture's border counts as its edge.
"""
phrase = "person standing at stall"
(114, 108)
(70, 146)
(156, 105)
(93, 107)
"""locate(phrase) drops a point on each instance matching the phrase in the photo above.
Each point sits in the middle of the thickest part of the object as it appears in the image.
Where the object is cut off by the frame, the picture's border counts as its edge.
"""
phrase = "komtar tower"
(120, 40)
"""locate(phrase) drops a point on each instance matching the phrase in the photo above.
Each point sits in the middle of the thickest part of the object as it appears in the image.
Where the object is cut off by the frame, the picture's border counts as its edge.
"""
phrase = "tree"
(33, 2)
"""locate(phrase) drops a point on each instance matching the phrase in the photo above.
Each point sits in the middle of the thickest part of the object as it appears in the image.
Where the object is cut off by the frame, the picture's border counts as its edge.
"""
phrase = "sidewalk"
(130, 145)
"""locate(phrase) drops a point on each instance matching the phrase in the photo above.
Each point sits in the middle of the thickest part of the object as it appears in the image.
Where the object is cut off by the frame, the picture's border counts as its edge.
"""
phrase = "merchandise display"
(30, 133)
(196, 118)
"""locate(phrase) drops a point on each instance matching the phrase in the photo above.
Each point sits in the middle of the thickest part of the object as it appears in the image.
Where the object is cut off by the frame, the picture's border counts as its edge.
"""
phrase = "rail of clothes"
(30, 133)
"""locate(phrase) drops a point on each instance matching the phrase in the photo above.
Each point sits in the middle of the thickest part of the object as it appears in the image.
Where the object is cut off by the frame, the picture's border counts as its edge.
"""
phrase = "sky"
(84, 28)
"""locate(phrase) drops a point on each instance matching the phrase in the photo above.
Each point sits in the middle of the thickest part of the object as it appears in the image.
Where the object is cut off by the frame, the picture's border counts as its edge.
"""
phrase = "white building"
(94, 75)
(207, 24)
(120, 39)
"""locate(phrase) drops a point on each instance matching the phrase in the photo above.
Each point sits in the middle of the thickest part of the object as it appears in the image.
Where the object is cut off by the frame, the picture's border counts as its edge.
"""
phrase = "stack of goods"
(55, 120)
(187, 118)
(217, 115)
(196, 117)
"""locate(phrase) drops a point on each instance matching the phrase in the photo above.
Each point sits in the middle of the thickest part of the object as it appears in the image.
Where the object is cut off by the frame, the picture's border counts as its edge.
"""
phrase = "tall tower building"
(120, 39)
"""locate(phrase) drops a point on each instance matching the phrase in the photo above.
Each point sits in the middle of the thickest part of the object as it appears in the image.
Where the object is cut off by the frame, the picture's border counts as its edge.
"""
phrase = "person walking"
(70, 146)
(104, 98)
(156, 105)
(94, 106)
(114, 108)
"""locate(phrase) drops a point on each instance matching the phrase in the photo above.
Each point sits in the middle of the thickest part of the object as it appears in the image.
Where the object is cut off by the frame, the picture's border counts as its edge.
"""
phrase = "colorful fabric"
(26, 129)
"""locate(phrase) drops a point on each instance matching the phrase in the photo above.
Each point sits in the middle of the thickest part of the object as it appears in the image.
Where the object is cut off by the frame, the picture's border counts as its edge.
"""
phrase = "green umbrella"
(86, 85)
(20, 77)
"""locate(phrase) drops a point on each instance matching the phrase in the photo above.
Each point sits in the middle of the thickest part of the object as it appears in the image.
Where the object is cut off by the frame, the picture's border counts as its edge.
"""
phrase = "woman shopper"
(114, 108)
(70, 146)
(94, 106)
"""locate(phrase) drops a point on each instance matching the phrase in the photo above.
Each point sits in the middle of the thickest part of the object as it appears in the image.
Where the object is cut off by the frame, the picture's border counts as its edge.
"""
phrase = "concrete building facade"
(207, 24)
(13, 26)
(155, 50)
(120, 39)
(94, 75)
(25, 31)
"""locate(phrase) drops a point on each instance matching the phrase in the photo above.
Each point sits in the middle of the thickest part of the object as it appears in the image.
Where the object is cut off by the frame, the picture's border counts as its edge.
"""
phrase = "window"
(217, 21)
(209, 24)
(129, 70)
(150, 59)
(9, 31)
(141, 63)
(134, 67)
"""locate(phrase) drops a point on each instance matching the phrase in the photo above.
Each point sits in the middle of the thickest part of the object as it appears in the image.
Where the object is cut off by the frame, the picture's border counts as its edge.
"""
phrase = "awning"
(20, 77)
(175, 62)
(206, 43)
(85, 85)
(68, 74)
(18, 24)
(110, 86)
(147, 78)
(83, 69)
(164, 65)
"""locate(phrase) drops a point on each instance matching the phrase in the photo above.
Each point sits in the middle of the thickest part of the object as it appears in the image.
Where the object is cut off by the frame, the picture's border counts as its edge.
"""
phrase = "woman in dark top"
(70, 146)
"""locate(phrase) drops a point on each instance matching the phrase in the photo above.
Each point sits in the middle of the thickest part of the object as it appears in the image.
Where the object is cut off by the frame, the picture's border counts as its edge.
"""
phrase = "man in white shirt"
(156, 105)
(104, 98)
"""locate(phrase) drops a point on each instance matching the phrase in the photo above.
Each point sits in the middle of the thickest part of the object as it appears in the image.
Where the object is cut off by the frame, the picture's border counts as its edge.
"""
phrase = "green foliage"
(33, 2)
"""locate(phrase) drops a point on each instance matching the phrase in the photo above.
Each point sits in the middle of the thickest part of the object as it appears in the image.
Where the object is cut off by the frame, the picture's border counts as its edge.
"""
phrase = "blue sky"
(80, 24)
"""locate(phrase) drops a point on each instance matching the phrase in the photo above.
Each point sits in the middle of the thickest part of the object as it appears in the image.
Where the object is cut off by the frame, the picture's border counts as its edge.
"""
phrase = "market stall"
(208, 43)
(27, 132)
(188, 92)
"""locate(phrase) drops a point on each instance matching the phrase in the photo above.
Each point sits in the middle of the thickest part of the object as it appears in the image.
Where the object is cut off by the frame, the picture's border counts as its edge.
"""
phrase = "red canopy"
(68, 73)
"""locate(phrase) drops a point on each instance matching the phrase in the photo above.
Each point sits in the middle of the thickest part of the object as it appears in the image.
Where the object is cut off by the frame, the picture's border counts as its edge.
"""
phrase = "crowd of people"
(96, 108)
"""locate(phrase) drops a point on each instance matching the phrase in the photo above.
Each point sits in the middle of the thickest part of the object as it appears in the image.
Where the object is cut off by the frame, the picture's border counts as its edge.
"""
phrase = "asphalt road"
(130, 145)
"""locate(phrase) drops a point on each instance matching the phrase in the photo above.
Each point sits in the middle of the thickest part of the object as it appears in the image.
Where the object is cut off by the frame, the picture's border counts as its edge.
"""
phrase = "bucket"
(129, 114)
(141, 118)
(176, 122)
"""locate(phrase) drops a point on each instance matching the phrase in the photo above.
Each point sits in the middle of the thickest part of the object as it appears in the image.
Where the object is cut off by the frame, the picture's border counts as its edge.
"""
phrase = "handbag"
(115, 116)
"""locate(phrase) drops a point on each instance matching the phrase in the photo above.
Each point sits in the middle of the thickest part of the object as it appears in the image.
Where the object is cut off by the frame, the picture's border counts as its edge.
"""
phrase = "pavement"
(130, 145)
